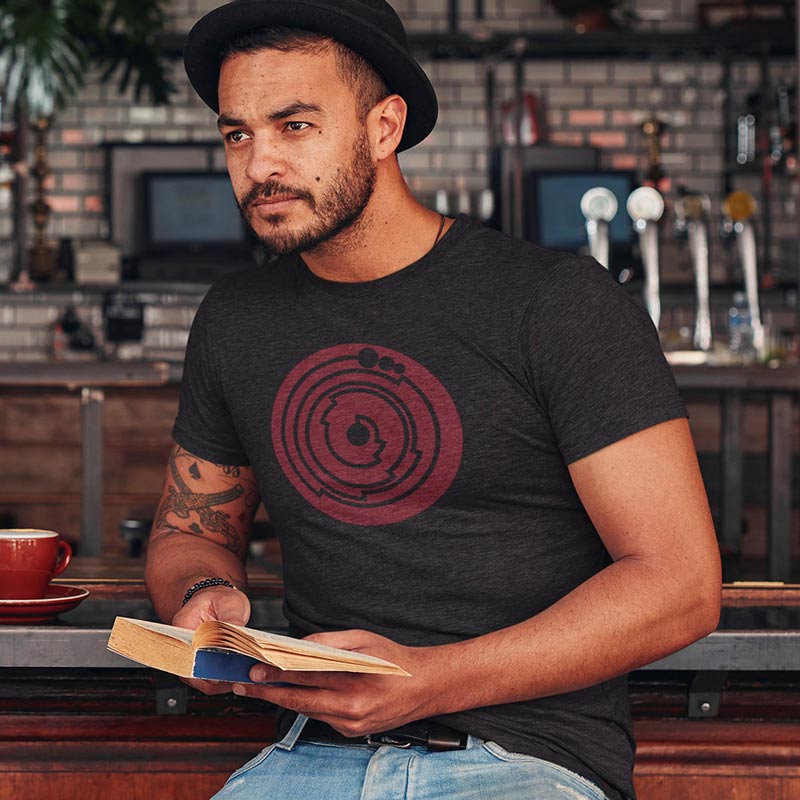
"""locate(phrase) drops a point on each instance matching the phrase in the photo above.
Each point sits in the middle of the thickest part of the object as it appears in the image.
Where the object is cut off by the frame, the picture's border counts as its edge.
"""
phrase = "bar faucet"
(645, 207)
(691, 212)
(599, 206)
(739, 208)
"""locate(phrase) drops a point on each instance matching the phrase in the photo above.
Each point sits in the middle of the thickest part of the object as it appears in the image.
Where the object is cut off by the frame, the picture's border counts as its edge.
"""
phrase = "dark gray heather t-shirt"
(410, 437)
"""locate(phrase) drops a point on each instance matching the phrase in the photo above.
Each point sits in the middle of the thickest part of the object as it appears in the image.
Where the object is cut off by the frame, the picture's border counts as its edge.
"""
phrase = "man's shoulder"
(495, 245)
(495, 257)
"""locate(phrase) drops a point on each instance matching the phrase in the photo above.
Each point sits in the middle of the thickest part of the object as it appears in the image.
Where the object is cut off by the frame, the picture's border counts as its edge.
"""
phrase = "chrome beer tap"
(599, 206)
(645, 207)
(691, 211)
(739, 209)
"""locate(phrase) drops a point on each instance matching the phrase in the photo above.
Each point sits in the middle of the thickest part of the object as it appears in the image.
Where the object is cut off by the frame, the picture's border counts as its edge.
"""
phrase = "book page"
(182, 634)
(289, 653)
(159, 646)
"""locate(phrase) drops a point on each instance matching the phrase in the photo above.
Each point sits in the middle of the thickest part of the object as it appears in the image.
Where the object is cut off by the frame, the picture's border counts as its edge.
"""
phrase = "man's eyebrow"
(225, 121)
(291, 110)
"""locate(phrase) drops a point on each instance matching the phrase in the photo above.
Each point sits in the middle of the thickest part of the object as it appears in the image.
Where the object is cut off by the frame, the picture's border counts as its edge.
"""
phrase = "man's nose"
(265, 162)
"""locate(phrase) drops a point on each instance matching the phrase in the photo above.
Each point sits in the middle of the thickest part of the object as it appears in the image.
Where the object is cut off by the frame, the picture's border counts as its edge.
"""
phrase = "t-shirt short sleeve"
(204, 425)
(594, 361)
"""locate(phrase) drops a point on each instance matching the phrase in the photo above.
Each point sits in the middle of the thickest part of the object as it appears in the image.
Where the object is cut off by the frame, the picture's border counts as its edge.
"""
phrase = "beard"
(337, 208)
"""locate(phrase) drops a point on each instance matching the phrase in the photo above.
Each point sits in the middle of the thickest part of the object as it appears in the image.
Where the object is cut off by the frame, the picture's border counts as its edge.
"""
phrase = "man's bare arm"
(201, 530)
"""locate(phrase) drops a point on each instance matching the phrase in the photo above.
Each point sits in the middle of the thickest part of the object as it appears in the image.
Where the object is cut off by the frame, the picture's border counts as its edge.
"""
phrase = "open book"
(220, 651)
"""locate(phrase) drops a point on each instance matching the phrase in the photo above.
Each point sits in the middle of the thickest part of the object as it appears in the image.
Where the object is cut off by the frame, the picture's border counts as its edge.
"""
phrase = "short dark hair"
(368, 86)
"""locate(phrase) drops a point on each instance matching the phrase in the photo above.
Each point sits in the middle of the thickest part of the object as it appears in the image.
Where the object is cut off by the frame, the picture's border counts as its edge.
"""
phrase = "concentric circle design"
(366, 434)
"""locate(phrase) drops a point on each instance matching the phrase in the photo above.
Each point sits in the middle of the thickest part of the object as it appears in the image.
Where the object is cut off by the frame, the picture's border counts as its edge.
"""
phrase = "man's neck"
(394, 232)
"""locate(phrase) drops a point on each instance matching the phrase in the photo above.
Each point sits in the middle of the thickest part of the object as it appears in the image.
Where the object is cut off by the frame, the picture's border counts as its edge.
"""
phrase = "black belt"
(423, 733)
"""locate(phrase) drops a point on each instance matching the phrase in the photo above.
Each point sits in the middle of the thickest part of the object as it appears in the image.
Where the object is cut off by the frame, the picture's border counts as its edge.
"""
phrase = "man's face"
(297, 153)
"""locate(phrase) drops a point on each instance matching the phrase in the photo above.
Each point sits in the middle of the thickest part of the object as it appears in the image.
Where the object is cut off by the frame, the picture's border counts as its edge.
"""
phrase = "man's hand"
(356, 704)
(218, 603)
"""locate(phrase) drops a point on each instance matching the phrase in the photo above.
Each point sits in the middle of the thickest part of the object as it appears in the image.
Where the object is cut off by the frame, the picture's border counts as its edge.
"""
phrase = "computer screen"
(185, 209)
(559, 223)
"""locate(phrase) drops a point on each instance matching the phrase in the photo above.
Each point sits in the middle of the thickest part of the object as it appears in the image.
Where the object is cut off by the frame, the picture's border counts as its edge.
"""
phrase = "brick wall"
(584, 102)
(28, 322)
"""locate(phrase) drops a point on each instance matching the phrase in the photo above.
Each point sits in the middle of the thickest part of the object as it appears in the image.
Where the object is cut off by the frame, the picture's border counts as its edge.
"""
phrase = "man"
(471, 449)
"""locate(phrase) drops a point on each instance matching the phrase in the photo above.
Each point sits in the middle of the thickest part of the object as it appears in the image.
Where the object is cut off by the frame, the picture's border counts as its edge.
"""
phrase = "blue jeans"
(293, 770)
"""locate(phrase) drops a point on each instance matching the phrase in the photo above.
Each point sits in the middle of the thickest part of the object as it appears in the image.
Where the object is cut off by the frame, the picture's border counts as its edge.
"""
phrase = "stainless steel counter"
(43, 647)
(74, 375)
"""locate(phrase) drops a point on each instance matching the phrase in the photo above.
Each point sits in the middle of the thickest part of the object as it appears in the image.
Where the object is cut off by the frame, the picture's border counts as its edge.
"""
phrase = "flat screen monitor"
(557, 219)
(191, 211)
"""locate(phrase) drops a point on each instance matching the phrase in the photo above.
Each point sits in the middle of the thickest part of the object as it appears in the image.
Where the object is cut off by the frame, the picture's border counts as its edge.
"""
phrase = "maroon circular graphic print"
(366, 434)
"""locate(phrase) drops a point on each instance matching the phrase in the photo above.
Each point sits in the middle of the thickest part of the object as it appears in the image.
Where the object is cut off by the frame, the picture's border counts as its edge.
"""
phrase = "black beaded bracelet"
(204, 584)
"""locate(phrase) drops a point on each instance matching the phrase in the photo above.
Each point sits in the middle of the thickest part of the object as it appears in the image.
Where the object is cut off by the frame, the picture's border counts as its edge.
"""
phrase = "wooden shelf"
(70, 498)
(625, 44)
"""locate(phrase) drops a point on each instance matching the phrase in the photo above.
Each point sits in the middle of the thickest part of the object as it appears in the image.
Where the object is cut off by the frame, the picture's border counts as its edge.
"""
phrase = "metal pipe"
(490, 96)
(487, 202)
(453, 13)
(92, 471)
(727, 114)
(518, 217)
(767, 170)
(21, 184)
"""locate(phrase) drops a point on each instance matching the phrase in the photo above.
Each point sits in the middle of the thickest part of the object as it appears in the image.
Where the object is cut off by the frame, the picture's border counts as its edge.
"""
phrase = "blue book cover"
(223, 665)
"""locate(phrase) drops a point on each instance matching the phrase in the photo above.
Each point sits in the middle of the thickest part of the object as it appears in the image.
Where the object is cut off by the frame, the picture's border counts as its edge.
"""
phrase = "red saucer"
(58, 599)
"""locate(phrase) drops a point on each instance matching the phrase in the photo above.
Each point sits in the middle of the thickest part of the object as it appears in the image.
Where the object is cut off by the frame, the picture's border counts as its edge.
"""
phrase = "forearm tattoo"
(200, 510)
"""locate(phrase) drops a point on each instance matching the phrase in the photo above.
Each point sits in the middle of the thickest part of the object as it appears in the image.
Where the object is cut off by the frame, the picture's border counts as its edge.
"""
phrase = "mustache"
(274, 189)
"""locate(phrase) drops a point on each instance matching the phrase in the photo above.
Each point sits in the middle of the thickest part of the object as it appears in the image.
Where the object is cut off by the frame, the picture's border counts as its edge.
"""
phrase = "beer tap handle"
(693, 210)
(645, 207)
(654, 129)
(599, 206)
(740, 207)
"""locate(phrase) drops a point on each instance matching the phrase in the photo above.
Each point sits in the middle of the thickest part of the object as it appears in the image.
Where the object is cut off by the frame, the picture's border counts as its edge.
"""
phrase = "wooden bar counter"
(719, 719)
(80, 723)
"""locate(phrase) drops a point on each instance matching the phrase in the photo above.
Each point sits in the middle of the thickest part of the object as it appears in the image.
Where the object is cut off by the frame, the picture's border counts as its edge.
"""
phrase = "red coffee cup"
(29, 560)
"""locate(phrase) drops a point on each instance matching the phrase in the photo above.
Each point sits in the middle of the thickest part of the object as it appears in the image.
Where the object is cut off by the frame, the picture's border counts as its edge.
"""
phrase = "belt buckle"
(378, 741)
(436, 738)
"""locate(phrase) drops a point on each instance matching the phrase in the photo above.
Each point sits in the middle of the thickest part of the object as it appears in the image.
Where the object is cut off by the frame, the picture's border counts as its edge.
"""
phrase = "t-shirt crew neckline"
(443, 246)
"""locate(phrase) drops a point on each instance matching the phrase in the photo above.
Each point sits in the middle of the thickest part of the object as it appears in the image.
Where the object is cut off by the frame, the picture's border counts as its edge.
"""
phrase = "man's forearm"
(177, 560)
(626, 616)
(201, 528)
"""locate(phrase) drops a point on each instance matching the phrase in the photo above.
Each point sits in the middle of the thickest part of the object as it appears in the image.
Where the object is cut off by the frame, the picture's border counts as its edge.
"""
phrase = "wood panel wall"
(40, 457)
(118, 747)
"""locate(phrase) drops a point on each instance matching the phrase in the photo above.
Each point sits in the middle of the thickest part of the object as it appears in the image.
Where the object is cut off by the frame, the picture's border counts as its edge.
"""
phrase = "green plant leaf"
(48, 46)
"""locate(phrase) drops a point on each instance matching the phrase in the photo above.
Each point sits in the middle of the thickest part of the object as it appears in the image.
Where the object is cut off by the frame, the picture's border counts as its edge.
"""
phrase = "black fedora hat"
(369, 27)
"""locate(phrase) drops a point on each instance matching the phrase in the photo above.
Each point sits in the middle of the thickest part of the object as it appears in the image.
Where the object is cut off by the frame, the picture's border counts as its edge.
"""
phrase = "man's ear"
(386, 122)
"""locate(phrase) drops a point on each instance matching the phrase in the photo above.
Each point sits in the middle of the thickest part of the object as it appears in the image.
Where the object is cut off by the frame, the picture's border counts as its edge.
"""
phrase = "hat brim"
(401, 72)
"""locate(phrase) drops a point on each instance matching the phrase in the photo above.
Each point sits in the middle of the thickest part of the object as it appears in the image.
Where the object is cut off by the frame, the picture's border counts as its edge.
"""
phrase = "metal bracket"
(171, 697)
(704, 694)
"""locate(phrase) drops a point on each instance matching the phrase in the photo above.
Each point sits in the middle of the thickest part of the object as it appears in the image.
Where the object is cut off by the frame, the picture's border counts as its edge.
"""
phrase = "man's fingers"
(209, 687)
(301, 699)
(325, 679)
(346, 640)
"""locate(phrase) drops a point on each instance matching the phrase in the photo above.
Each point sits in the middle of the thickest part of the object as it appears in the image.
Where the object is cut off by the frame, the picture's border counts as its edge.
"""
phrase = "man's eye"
(234, 137)
(296, 126)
